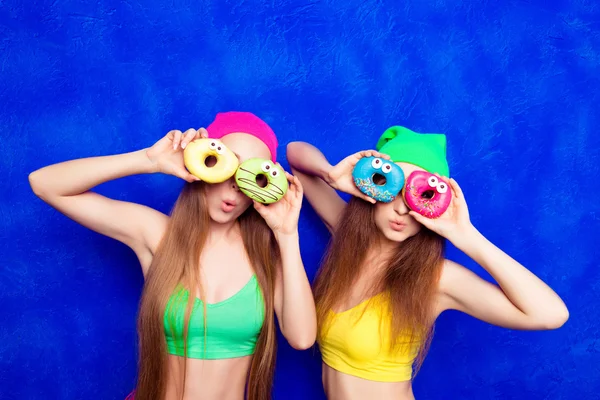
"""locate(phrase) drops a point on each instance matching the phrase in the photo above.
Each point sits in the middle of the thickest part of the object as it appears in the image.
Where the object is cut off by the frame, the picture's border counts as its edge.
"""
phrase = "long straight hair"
(410, 278)
(176, 262)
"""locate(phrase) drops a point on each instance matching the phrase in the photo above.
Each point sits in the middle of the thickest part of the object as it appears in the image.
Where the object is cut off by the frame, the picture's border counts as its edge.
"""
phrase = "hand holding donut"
(454, 222)
(282, 216)
(340, 176)
(167, 153)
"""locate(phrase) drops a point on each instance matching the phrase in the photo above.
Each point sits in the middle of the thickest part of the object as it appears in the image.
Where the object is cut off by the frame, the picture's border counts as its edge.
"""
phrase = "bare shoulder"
(451, 275)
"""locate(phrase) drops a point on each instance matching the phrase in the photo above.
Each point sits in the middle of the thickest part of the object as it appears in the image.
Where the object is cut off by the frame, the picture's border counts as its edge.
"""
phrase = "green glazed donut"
(250, 170)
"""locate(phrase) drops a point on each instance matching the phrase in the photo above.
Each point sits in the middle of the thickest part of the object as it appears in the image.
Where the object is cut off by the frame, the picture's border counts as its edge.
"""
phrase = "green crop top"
(233, 324)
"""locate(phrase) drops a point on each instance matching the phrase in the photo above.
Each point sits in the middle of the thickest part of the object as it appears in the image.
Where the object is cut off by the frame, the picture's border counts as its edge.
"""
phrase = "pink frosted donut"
(427, 194)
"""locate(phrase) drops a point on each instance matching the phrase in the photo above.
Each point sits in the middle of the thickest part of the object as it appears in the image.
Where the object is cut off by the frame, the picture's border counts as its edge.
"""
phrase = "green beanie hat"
(425, 150)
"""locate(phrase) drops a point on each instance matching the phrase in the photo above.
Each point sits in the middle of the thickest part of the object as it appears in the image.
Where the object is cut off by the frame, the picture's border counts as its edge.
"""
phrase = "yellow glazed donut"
(199, 151)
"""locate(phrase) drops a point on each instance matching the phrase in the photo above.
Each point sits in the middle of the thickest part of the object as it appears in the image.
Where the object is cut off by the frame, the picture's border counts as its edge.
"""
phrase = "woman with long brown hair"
(217, 270)
(384, 279)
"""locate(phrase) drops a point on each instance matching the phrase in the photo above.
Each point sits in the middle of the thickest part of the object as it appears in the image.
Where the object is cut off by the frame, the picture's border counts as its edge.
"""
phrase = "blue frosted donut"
(365, 171)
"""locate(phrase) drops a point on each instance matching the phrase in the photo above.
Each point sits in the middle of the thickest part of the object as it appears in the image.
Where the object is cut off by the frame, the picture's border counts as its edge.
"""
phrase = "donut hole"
(261, 180)
(428, 194)
(379, 179)
(210, 161)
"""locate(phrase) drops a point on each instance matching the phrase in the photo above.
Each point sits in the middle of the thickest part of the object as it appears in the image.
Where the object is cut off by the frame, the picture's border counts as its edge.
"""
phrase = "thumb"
(420, 219)
(369, 199)
(203, 133)
(357, 193)
(192, 178)
(259, 207)
(185, 175)
(353, 160)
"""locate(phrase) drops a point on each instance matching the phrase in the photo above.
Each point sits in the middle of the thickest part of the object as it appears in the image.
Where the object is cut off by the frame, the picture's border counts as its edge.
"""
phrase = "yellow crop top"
(357, 343)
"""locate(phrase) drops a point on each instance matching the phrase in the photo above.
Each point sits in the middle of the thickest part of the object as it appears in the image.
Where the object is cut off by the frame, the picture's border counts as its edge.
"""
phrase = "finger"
(193, 178)
(289, 176)
(259, 207)
(381, 155)
(171, 134)
(365, 153)
(186, 176)
(189, 177)
(356, 157)
(367, 198)
(188, 136)
(296, 185)
(354, 161)
(374, 153)
(300, 189)
(203, 133)
(176, 139)
(420, 219)
(456, 188)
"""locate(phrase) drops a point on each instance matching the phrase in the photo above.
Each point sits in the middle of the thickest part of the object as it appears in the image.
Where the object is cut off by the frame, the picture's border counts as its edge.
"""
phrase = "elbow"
(291, 151)
(559, 319)
(293, 146)
(35, 182)
(302, 343)
(302, 340)
(555, 320)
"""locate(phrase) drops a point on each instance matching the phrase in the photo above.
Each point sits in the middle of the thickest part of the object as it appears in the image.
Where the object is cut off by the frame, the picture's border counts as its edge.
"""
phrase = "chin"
(399, 236)
(220, 217)
(396, 236)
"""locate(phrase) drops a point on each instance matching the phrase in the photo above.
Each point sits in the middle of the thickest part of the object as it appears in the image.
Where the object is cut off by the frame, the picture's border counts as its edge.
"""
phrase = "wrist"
(468, 239)
(286, 238)
(148, 164)
(325, 173)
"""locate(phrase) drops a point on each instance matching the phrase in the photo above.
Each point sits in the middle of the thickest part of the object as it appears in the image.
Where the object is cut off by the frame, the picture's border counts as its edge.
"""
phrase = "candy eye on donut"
(442, 187)
(433, 181)
(427, 194)
(376, 163)
(387, 168)
(267, 166)
(261, 180)
(378, 178)
(210, 160)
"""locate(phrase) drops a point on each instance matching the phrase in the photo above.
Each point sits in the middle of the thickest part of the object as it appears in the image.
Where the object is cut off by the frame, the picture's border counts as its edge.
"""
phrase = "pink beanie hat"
(243, 122)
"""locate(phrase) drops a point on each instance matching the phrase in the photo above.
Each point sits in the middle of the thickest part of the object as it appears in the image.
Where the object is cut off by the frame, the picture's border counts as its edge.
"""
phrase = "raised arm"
(519, 300)
(294, 302)
(66, 186)
(321, 180)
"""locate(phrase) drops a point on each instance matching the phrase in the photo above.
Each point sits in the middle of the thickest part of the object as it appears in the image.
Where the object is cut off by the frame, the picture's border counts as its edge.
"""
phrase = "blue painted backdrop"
(513, 84)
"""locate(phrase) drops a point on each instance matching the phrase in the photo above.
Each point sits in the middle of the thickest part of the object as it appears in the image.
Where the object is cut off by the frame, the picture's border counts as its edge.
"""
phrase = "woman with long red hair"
(385, 279)
(217, 270)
